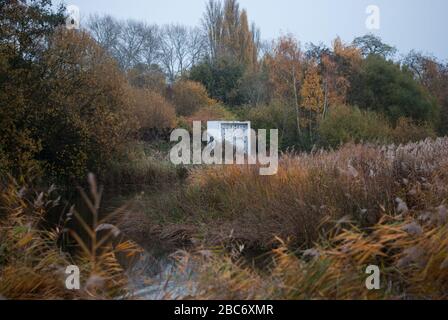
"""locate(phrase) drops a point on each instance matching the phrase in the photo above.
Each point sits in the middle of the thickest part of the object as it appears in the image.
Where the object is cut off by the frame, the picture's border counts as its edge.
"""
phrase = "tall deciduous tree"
(312, 92)
(339, 68)
(371, 44)
(433, 75)
(229, 33)
(25, 27)
(312, 95)
(106, 31)
(176, 48)
(285, 69)
(182, 47)
(212, 23)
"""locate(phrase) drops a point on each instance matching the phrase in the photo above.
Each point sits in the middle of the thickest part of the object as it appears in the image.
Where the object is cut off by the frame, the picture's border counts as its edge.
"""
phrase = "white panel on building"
(238, 133)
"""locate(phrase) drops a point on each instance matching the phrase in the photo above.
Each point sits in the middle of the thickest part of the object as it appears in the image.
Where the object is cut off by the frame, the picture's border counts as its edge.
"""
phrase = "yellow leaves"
(348, 52)
(189, 96)
(336, 82)
(285, 67)
(311, 92)
(87, 112)
(151, 109)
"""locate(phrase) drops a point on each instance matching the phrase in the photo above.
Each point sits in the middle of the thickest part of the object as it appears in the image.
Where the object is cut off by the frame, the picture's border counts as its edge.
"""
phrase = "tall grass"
(33, 257)
(320, 222)
(226, 204)
(142, 164)
(384, 206)
(409, 249)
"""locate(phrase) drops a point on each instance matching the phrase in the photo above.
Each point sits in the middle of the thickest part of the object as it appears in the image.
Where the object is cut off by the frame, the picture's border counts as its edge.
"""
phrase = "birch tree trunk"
(296, 102)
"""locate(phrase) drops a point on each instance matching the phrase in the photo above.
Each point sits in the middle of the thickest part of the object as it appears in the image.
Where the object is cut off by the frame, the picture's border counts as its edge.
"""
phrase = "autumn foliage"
(152, 110)
(362, 175)
(88, 106)
(189, 96)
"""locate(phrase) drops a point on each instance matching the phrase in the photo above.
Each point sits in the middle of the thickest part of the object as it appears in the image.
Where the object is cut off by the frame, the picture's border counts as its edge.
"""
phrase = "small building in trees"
(236, 133)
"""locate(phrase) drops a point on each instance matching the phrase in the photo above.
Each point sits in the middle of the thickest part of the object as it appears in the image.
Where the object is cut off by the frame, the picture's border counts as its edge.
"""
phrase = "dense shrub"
(24, 29)
(188, 97)
(267, 116)
(140, 165)
(147, 77)
(152, 109)
(222, 79)
(214, 112)
(349, 124)
(384, 87)
(86, 115)
(407, 131)
(66, 104)
(275, 115)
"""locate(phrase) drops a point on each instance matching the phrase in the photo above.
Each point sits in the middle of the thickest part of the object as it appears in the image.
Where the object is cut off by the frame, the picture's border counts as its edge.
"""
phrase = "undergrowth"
(34, 256)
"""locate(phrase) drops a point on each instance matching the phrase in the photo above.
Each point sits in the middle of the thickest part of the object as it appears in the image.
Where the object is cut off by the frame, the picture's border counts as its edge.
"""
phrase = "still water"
(155, 274)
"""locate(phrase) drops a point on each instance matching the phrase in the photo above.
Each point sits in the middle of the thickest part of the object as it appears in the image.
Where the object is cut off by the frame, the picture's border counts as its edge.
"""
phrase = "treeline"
(171, 48)
(67, 105)
(281, 84)
(73, 100)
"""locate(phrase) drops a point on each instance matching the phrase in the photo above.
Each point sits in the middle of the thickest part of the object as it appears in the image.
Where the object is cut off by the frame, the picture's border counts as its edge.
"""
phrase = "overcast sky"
(406, 24)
